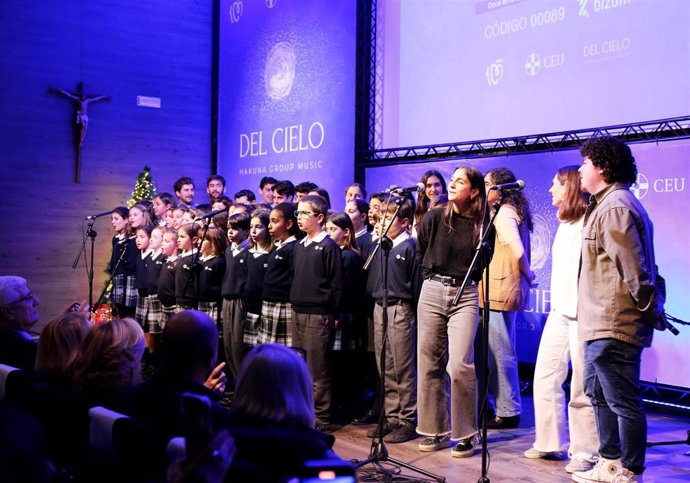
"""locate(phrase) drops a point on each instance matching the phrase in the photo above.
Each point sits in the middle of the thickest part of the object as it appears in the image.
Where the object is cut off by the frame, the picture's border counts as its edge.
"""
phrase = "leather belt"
(450, 281)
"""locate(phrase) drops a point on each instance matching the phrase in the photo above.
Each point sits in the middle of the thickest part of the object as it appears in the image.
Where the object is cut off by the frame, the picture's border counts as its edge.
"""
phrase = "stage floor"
(664, 463)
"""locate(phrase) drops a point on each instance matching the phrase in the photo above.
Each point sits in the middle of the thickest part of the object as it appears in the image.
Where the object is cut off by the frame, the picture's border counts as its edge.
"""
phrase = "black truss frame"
(658, 130)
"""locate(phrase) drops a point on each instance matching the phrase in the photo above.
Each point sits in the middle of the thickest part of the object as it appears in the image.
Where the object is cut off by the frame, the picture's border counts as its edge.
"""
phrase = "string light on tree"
(144, 189)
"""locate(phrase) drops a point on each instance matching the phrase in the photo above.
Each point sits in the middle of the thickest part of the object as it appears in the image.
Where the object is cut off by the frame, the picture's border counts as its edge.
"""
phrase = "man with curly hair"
(619, 306)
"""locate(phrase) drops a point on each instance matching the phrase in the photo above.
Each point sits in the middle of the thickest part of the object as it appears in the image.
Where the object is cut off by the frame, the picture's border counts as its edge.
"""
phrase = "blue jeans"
(504, 383)
(612, 382)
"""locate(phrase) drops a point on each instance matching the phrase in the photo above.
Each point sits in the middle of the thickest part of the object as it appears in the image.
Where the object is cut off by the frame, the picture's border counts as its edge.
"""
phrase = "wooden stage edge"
(665, 464)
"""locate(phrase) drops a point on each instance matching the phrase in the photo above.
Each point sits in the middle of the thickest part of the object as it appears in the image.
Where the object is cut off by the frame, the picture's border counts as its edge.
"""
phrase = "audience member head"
(189, 346)
(215, 186)
(266, 189)
(355, 191)
(18, 306)
(567, 195)
(274, 385)
(60, 345)
(184, 190)
(111, 356)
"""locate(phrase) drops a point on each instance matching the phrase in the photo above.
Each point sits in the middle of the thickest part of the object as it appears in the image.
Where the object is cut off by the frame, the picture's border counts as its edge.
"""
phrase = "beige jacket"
(617, 295)
(508, 287)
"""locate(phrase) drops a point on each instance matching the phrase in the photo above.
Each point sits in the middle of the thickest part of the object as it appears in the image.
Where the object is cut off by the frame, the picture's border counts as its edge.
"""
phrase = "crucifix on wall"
(81, 104)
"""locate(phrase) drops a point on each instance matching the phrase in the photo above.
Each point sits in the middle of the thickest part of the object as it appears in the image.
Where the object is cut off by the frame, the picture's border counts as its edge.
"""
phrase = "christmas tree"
(144, 189)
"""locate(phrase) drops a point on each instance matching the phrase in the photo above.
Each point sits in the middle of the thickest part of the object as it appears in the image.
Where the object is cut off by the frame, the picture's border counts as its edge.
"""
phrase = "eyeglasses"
(306, 214)
(29, 296)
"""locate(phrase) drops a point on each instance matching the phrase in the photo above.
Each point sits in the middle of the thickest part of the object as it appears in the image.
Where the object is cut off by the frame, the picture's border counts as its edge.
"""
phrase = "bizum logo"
(583, 8)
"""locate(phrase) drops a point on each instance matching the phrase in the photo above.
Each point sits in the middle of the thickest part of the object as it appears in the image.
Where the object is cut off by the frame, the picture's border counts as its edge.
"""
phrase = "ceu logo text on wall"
(286, 92)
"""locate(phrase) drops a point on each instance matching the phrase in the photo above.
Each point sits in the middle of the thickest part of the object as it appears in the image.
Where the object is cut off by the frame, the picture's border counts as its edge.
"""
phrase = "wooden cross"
(81, 104)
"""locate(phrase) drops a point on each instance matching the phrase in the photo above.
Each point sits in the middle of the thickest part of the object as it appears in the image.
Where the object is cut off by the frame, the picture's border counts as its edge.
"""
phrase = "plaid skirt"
(154, 315)
(140, 312)
(167, 313)
(348, 336)
(251, 329)
(275, 325)
(212, 309)
(124, 292)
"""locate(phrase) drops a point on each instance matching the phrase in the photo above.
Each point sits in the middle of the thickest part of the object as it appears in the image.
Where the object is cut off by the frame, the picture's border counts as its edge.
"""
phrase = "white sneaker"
(604, 471)
(578, 464)
(627, 476)
(535, 454)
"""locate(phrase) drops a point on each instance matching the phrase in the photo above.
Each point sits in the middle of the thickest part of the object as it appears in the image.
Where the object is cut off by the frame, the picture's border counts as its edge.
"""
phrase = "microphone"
(98, 215)
(517, 185)
(211, 214)
(410, 189)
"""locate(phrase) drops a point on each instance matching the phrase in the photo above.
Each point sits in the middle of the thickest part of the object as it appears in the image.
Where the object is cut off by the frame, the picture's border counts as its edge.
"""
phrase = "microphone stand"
(112, 275)
(379, 452)
(90, 233)
(478, 255)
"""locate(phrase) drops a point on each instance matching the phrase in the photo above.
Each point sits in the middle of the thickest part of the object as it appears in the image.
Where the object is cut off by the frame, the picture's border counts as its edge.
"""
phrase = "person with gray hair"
(18, 314)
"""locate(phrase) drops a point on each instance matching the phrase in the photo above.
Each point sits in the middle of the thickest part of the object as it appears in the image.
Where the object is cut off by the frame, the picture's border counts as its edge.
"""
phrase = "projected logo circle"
(640, 187)
(540, 242)
(279, 74)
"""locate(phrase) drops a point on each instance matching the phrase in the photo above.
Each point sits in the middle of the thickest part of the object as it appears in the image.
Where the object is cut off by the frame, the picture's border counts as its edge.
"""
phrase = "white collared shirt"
(279, 243)
(400, 238)
(237, 249)
(306, 241)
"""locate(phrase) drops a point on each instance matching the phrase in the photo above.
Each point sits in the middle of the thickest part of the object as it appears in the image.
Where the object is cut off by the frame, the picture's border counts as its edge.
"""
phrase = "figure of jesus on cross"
(81, 105)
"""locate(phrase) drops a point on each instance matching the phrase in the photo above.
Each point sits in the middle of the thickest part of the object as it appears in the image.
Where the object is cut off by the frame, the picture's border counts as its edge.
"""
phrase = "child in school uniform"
(166, 279)
(358, 211)
(143, 235)
(212, 272)
(347, 356)
(123, 263)
(234, 291)
(154, 312)
(404, 283)
(257, 262)
(275, 324)
(316, 299)
(185, 277)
